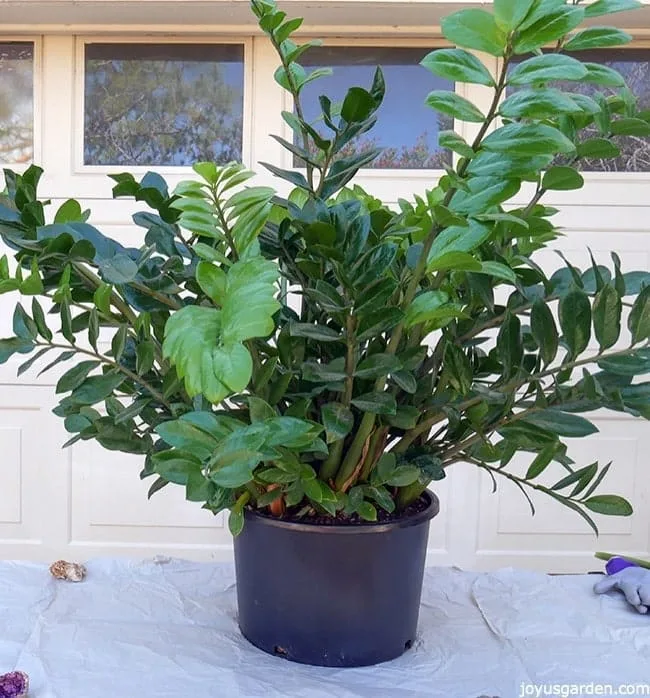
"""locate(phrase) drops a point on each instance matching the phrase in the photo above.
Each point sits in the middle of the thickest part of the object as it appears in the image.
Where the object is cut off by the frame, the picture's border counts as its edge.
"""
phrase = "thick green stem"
(636, 560)
(409, 494)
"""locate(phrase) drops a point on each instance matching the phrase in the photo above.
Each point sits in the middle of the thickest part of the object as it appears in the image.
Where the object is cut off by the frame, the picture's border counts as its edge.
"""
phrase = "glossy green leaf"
(75, 376)
(338, 421)
(454, 105)
(606, 7)
(377, 365)
(424, 307)
(607, 316)
(549, 66)
(597, 38)
(452, 141)
(509, 14)
(403, 475)
(474, 28)
(552, 26)
(562, 423)
(542, 325)
(457, 65)
(527, 140)
(97, 388)
(639, 318)
(377, 403)
(575, 321)
(120, 269)
(212, 280)
(634, 364)
(609, 504)
(509, 344)
(562, 178)
(540, 103)
(458, 239)
(357, 106)
(319, 333)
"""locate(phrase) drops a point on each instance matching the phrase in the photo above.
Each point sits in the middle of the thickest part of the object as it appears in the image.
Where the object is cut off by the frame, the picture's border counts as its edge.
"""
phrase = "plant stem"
(368, 421)
(127, 372)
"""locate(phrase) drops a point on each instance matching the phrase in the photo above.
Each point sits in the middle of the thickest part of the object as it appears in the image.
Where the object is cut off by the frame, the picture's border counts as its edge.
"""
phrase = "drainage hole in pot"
(408, 644)
(280, 651)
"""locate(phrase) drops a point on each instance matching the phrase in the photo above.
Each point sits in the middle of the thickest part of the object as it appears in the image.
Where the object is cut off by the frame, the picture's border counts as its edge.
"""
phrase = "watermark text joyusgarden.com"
(564, 690)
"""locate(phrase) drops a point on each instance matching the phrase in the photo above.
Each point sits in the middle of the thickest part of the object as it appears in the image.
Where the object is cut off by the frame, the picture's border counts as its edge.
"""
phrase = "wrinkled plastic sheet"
(167, 628)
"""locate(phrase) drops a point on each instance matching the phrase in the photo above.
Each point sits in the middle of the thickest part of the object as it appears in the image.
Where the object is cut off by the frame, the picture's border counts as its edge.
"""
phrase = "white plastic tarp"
(167, 629)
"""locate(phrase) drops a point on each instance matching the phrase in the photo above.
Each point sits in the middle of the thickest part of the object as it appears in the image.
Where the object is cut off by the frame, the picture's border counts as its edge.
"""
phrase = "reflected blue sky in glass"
(404, 121)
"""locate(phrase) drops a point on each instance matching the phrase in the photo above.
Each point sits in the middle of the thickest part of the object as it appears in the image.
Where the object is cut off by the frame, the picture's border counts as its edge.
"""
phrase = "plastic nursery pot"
(332, 595)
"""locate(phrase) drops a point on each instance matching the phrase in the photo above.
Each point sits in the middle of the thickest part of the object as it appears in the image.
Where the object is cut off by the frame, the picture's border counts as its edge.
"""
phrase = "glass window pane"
(163, 104)
(634, 66)
(406, 128)
(16, 102)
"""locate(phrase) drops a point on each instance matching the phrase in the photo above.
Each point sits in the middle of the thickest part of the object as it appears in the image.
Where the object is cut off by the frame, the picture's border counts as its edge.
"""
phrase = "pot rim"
(347, 529)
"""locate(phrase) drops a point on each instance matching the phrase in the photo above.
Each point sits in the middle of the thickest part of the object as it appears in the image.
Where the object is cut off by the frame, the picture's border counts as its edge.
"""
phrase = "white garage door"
(84, 106)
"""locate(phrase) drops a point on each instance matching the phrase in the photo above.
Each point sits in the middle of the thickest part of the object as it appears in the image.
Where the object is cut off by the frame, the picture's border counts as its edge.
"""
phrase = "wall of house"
(83, 501)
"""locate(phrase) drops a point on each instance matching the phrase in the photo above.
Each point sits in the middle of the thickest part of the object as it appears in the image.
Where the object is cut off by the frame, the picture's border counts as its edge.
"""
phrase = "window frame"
(171, 171)
(37, 98)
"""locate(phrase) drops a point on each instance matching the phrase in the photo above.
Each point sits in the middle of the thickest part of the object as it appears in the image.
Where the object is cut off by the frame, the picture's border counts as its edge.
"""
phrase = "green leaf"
(539, 103)
(562, 178)
(603, 75)
(498, 271)
(458, 239)
(40, 321)
(597, 148)
(259, 410)
(550, 27)
(454, 105)
(575, 321)
(377, 403)
(597, 38)
(607, 316)
(236, 522)
(457, 65)
(541, 462)
(102, 298)
(97, 388)
(451, 140)
(23, 326)
(630, 127)
(212, 280)
(30, 362)
(405, 380)
(74, 377)
(120, 269)
(403, 475)
(639, 319)
(562, 423)
(250, 303)
(209, 369)
(425, 307)
(509, 14)
(483, 193)
(377, 365)
(320, 333)
(606, 7)
(609, 504)
(69, 211)
(474, 28)
(357, 105)
(633, 364)
(316, 372)
(176, 466)
(457, 261)
(542, 325)
(118, 342)
(367, 511)
(509, 345)
(338, 421)
(550, 66)
(188, 438)
(527, 140)
(144, 357)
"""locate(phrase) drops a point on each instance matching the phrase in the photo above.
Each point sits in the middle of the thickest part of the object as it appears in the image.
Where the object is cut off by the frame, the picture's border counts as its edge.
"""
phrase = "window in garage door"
(634, 65)
(162, 104)
(407, 130)
(16, 102)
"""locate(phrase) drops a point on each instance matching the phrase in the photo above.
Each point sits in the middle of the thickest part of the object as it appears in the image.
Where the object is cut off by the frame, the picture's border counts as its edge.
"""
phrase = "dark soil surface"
(341, 519)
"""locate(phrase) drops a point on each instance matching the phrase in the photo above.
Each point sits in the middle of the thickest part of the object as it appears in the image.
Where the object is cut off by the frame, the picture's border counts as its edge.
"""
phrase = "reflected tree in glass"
(16, 102)
(163, 104)
(407, 130)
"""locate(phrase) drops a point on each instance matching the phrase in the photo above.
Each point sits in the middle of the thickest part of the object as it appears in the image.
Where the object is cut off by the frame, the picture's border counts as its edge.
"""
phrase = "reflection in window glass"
(163, 104)
(634, 66)
(406, 129)
(16, 102)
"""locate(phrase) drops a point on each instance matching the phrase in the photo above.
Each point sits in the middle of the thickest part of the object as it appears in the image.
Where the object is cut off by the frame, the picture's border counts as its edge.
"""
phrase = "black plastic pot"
(332, 595)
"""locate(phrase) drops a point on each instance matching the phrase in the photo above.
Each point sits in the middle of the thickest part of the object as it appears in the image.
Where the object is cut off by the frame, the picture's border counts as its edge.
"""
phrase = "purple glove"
(616, 564)
(14, 685)
(633, 581)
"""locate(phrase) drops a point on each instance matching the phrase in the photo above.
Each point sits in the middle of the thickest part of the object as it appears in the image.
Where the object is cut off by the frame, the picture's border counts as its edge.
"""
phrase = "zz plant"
(325, 355)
